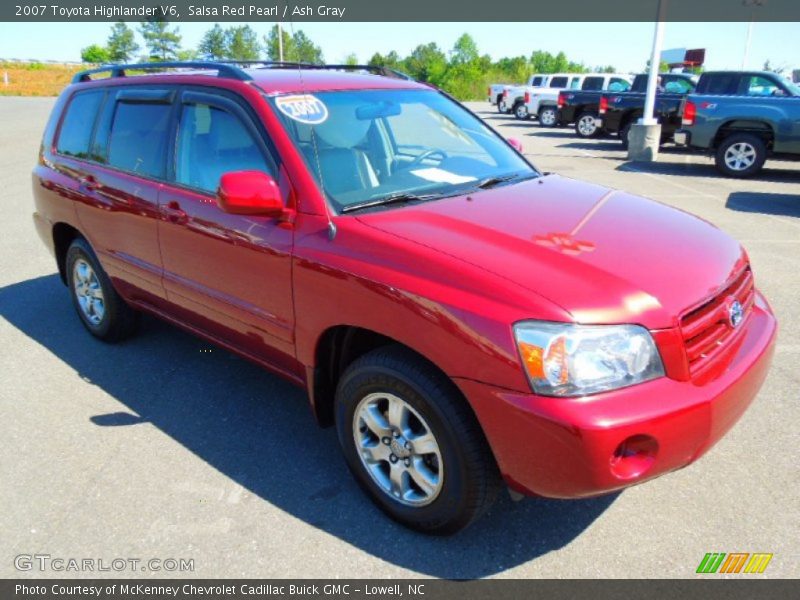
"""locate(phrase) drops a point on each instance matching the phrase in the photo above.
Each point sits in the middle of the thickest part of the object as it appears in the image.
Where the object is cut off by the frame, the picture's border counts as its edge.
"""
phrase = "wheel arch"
(63, 235)
(339, 346)
(762, 129)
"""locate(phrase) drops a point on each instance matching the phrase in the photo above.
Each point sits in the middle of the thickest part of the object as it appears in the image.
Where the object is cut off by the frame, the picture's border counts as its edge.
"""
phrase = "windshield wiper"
(490, 182)
(398, 198)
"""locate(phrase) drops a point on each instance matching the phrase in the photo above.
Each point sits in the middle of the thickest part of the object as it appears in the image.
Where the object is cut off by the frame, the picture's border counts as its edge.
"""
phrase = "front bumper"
(579, 447)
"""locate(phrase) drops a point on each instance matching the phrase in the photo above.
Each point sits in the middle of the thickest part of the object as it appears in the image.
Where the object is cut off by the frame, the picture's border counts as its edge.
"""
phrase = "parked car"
(617, 112)
(543, 102)
(583, 107)
(495, 95)
(461, 318)
(512, 94)
(742, 118)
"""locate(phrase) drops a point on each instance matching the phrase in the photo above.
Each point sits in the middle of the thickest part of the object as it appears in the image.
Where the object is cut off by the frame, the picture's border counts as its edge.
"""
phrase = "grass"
(36, 79)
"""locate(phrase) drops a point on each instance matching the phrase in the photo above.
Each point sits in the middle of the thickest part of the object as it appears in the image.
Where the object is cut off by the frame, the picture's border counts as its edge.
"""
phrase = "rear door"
(119, 183)
(228, 275)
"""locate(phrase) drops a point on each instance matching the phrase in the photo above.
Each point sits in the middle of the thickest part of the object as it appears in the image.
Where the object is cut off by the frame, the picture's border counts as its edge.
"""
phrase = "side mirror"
(249, 193)
(516, 144)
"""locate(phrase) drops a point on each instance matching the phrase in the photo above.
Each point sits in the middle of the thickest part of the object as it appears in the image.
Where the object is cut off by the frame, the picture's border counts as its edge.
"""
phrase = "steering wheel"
(427, 154)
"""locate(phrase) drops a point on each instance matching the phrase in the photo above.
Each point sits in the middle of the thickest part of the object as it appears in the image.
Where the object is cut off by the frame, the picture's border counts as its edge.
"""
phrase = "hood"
(602, 255)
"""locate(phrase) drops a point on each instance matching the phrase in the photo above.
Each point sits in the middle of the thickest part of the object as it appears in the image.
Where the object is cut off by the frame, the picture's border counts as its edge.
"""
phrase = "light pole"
(644, 137)
(753, 4)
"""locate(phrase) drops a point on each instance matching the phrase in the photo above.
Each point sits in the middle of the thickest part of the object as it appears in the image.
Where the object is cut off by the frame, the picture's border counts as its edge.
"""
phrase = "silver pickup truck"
(742, 118)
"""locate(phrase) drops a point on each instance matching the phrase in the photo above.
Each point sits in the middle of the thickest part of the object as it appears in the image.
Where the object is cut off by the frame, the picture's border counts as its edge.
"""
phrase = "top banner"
(401, 10)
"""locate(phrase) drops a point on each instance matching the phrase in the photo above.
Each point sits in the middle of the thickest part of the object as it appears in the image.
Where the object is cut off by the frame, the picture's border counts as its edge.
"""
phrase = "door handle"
(89, 183)
(174, 213)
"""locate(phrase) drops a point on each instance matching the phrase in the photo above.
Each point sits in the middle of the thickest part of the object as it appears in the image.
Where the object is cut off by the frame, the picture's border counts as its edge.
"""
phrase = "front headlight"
(564, 359)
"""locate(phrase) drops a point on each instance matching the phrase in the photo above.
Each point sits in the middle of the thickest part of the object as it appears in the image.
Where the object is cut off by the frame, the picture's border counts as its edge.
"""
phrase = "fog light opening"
(634, 456)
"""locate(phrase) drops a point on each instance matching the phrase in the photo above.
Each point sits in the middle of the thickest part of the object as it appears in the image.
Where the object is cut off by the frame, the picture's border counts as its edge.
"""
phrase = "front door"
(228, 275)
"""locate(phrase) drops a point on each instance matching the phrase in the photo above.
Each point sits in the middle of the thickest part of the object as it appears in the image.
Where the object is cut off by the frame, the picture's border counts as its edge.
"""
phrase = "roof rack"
(229, 71)
(233, 69)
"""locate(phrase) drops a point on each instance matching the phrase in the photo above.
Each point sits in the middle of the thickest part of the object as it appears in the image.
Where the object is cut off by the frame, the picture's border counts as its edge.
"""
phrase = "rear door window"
(575, 84)
(619, 85)
(213, 141)
(138, 137)
(718, 83)
(78, 124)
(559, 82)
(536, 82)
(593, 84)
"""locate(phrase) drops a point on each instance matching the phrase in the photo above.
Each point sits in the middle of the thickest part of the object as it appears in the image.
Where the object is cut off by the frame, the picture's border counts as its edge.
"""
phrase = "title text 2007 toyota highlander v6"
(462, 319)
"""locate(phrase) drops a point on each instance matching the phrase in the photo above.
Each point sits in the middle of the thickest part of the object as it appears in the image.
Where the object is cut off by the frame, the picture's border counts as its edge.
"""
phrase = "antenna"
(328, 216)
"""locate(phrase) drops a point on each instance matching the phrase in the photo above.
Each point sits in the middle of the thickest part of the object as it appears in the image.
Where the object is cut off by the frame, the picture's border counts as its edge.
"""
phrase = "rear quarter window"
(75, 134)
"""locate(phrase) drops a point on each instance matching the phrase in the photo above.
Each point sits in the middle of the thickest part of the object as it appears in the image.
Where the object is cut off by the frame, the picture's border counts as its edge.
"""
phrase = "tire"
(521, 112)
(623, 134)
(500, 104)
(548, 116)
(585, 125)
(459, 477)
(741, 155)
(101, 310)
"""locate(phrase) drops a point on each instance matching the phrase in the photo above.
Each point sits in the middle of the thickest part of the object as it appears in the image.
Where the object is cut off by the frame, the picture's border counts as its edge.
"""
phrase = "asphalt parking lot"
(163, 447)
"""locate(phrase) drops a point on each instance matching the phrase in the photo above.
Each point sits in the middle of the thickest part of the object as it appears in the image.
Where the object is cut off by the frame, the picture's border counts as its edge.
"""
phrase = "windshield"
(367, 145)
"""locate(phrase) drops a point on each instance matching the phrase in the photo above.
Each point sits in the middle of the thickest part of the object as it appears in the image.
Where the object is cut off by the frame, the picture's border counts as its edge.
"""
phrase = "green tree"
(94, 54)
(427, 63)
(296, 48)
(351, 59)
(241, 43)
(465, 50)
(121, 43)
(391, 61)
(304, 50)
(187, 54)
(213, 45)
(162, 42)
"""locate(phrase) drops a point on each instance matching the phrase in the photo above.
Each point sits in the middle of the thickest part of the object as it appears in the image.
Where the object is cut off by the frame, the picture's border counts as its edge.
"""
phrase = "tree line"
(462, 70)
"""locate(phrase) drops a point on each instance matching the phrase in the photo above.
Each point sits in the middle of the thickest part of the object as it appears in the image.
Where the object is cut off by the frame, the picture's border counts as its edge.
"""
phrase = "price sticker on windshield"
(304, 108)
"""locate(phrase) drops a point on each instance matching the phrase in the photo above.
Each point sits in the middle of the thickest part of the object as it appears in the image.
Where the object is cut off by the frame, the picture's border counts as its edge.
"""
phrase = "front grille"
(707, 329)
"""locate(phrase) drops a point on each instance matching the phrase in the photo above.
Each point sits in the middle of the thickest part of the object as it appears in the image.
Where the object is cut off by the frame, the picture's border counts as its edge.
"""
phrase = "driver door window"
(761, 86)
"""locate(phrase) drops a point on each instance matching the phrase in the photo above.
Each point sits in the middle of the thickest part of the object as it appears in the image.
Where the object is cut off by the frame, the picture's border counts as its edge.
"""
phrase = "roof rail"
(226, 70)
(377, 70)
(233, 69)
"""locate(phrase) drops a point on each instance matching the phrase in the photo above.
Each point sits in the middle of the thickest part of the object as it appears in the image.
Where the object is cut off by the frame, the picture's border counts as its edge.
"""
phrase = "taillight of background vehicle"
(603, 106)
(689, 113)
(561, 100)
(505, 94)
(527, 97)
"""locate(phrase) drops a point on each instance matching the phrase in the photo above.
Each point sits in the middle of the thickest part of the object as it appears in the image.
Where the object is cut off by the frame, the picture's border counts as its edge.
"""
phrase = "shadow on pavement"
(257, 430)
(765, 203)
(708, 170)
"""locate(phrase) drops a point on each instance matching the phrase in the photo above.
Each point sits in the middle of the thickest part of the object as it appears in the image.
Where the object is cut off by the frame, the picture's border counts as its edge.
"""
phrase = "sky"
(626, 46)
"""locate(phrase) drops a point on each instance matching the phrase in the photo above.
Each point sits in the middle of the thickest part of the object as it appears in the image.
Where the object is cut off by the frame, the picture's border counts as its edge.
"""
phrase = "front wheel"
(586, 125)
(412, 442)
(521, 111)
(741, 155)
(548, 116)
(102, 311)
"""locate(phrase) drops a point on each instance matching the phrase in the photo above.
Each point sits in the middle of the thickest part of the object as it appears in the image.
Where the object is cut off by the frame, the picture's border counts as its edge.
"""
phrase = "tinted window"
(76, 128)
(536, 82)
(212, 142)
(138, 138)
(559, 82)
(718, 84)
(592, 83)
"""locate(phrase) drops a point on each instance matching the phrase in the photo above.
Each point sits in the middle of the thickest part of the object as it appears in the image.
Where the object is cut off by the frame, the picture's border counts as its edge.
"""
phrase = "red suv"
(462, 319)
